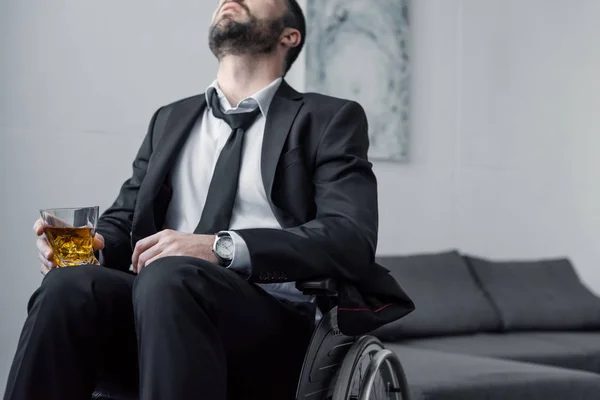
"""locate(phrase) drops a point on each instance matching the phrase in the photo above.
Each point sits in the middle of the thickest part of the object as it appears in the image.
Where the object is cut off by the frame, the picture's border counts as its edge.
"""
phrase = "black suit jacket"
(320, 186)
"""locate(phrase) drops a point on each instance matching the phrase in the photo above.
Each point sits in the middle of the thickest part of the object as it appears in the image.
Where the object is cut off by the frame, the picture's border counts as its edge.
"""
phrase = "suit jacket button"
(269, 276)
(262, 276)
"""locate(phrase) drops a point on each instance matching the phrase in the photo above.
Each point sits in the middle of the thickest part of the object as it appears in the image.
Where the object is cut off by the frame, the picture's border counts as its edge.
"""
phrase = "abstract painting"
(358, 50)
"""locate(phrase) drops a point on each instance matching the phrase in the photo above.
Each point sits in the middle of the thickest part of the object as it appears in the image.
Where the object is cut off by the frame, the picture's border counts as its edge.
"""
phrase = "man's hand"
(172, 243)
(46, 254)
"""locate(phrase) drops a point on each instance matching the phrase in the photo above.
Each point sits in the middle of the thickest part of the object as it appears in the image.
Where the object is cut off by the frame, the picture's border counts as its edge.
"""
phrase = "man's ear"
(291, 37)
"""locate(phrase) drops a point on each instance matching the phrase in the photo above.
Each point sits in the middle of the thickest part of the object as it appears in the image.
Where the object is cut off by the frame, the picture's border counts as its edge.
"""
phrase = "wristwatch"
(223, 249)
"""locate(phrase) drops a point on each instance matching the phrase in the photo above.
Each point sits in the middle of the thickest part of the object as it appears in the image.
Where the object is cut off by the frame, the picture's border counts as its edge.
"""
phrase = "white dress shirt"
(193, 172)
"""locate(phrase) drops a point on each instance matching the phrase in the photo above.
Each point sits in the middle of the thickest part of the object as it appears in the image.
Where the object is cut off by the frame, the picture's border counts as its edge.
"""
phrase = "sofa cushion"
(519, 346)
(540, 295)
(447, 298)
(586, 342)
(434, 375)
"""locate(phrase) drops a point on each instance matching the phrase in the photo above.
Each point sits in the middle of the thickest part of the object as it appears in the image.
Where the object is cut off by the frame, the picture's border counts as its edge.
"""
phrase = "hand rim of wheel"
(345, 373)
(363, 346)
(382, 356)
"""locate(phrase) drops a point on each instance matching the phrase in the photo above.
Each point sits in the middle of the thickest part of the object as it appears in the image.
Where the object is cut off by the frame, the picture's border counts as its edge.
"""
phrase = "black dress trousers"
(182, 329)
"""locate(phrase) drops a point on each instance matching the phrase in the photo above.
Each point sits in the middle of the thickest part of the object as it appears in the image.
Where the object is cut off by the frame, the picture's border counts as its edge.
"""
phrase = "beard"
(230, 37)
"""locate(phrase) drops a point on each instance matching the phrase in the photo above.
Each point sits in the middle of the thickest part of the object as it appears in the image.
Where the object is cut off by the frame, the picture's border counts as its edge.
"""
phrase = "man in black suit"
(235, 195)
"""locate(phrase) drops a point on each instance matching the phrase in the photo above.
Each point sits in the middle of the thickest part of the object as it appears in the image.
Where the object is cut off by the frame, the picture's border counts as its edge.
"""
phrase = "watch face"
(224, 247)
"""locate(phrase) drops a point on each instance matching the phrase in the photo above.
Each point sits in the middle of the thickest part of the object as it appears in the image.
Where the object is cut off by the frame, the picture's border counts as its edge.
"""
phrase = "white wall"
(504, 122)
(505, 125)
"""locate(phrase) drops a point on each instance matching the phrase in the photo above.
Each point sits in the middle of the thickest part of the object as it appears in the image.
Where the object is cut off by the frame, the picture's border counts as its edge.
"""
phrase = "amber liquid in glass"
(71, 246)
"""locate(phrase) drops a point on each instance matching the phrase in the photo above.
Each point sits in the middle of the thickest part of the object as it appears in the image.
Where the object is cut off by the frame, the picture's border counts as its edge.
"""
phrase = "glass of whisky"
(70, 233)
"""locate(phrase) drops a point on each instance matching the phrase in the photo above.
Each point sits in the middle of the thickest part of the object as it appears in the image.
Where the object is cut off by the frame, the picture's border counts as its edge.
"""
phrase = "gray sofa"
(495, 330)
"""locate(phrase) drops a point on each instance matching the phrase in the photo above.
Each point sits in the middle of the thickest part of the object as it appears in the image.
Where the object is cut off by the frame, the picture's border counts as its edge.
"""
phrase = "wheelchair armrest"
(319, 287)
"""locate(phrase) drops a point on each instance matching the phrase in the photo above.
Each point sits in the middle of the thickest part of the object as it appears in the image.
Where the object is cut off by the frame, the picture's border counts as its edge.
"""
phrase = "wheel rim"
(369, 371)
(357, 379)
(384, 379)
(374, 380)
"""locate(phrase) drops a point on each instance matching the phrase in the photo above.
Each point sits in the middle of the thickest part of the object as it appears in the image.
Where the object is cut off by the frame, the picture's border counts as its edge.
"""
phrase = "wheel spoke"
(371, 372)
(381, 375)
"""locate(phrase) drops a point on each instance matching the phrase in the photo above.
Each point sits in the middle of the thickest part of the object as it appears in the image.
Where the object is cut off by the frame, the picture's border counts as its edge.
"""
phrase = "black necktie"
(216, 214)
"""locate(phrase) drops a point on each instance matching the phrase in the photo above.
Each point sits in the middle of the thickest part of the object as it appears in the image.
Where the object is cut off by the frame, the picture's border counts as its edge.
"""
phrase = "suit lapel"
(180, 123)
(282, 112)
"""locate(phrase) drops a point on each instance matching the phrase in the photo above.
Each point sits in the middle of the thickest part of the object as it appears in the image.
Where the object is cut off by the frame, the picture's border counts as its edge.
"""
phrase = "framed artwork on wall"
(358, 50)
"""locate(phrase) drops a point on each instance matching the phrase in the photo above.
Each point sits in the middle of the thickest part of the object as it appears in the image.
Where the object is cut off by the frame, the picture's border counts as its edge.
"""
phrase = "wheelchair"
(340, 367)
(336, 366)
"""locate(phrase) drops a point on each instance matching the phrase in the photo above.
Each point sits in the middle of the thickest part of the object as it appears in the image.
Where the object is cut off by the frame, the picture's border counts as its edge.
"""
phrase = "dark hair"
(294, 18)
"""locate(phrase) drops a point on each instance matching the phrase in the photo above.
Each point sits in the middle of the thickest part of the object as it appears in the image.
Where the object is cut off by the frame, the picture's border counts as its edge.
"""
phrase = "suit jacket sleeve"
(116, 222)
(341, 241)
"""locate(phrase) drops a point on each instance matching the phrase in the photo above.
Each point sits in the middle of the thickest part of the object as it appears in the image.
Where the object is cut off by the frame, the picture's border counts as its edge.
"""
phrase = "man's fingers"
(39, 226)
(45, 251)
(98, 241)
(48, 263)
(147, 257)
(150, 261)
(44, 247)
(141, 247)
(44, 270)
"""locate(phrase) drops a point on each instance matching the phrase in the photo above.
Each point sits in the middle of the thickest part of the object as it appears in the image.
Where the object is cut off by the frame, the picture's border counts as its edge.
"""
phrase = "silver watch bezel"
(224, 261)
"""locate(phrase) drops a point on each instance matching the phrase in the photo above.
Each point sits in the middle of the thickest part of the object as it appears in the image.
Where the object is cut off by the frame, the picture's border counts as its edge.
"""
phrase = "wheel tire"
(385, 375)
(359, 365)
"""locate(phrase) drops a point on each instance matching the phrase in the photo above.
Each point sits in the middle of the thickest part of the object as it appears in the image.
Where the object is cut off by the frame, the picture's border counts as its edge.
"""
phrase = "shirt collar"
(263, 98)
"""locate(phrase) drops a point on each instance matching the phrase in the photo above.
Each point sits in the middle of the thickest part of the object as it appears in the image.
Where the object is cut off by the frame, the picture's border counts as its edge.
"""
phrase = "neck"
(241, 76)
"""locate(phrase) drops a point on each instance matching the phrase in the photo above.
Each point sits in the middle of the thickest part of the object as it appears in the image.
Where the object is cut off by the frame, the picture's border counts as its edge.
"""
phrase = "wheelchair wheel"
(370, 372)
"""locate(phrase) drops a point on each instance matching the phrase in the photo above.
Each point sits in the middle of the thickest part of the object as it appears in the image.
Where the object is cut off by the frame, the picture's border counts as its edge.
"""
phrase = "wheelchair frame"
(329, 368)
